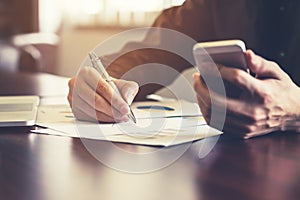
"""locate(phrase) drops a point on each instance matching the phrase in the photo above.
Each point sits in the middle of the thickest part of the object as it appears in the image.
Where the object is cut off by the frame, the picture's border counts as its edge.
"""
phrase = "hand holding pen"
(96, 96)
(97, 64)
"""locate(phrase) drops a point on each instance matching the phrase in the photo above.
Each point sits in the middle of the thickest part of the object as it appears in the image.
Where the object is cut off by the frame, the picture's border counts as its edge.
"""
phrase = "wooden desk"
(41, 84)
(47, 167)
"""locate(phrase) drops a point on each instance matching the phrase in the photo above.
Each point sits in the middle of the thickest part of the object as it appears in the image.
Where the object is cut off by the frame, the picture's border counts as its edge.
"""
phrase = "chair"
(9, 57)
(33, 52)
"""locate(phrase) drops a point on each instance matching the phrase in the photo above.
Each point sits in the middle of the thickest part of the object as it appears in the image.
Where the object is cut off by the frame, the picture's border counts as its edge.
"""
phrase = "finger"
(262, 67)
(128, 89)
(94, 100)
(104, 90)
(201, 89)
(102, 87)
(84, 111)
(238, 128)
(240, 78)
(205, 110)
(244, 126)
(70, 93)
(237, 122)
(265, 127)
(246, 114)
(211, 112)
(70, 97)
(206, 95)
(234, 107)
(71, 83)
(261, 132)
(245, 110)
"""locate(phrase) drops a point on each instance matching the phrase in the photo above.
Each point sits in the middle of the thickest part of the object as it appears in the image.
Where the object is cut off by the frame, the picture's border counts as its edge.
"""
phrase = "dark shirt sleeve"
(155, 62)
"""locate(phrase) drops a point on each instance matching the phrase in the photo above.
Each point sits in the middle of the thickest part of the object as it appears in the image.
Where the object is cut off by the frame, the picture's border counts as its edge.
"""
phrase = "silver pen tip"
(131, 116)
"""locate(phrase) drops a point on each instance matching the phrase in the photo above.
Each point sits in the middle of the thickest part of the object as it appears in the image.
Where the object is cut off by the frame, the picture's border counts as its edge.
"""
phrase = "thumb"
(128, 89)
(262, 67)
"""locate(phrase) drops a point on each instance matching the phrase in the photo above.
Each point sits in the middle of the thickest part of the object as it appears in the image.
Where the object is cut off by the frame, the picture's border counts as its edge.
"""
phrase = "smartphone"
(229, 53)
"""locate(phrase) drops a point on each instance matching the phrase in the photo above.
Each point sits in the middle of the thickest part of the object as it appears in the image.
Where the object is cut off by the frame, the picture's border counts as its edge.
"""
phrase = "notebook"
(18, 110)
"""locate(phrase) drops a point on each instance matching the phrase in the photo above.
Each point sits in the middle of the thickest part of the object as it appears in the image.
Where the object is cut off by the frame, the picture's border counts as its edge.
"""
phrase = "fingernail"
(125, 119)
(195, 76)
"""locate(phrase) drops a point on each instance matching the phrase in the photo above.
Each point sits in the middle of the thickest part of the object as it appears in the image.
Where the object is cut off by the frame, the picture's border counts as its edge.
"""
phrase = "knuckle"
(274, 64)
(255, 115)
(100, 117)
(237, 76)
(267, 97)
(98, 102)
(102, 88)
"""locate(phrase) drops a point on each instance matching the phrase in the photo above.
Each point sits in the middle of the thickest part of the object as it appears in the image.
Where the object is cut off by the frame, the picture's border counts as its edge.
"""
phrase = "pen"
(97, 64)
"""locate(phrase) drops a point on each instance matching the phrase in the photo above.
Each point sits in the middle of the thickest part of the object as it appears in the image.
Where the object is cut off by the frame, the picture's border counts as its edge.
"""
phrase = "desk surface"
(46, 167)
(41, 84)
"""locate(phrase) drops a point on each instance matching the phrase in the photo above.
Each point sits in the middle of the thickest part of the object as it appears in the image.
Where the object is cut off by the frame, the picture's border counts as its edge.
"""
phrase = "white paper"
(154, 127)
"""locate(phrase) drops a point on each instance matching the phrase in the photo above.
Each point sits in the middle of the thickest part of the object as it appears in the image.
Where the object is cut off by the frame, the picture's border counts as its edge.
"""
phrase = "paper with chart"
(181, 122)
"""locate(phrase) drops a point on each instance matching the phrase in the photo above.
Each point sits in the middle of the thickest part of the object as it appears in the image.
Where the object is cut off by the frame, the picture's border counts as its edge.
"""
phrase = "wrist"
(298, 104)
(295, 105)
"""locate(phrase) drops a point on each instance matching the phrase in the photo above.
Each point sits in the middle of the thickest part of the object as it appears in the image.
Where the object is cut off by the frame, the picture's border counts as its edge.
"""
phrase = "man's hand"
(267, 100)
(91, 97)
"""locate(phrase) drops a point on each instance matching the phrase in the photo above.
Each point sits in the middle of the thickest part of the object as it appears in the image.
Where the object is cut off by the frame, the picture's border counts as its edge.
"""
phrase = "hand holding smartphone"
(227, 53)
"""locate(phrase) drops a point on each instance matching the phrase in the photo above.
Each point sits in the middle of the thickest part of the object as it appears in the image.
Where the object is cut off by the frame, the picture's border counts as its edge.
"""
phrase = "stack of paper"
(158, 123)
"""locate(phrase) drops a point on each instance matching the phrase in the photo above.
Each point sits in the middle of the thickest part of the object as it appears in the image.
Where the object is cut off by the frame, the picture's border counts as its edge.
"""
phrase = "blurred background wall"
(70, 28)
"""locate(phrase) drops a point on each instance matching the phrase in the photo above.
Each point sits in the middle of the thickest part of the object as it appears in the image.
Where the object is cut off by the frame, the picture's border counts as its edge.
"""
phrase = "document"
(158, 123)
